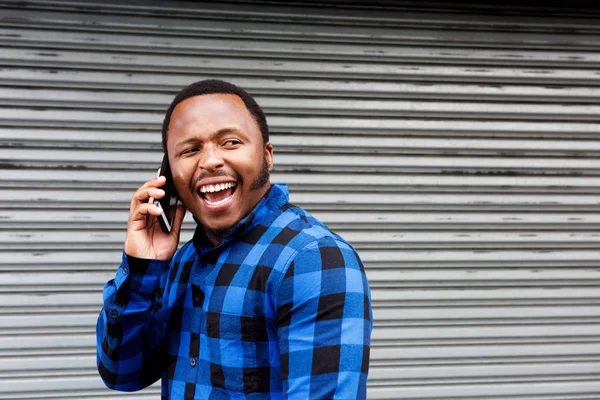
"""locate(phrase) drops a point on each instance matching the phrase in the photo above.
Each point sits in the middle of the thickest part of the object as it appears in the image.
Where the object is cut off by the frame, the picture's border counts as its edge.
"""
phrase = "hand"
(145, 238)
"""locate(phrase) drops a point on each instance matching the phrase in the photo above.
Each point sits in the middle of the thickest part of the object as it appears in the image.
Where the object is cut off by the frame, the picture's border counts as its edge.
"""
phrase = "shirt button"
(193, 362)
(124, 270)
(114, 314)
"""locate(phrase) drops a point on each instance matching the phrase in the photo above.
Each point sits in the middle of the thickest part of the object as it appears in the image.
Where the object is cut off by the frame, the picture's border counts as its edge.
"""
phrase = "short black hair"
(216, 86)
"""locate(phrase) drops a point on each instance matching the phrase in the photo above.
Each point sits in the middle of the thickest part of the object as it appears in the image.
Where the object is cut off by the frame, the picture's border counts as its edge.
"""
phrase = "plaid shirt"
(280, 309)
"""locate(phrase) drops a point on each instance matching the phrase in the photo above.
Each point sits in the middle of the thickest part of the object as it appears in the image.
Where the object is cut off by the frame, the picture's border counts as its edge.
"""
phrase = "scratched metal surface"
(456, 146)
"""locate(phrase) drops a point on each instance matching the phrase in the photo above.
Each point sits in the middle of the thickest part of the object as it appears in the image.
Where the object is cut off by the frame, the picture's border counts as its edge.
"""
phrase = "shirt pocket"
(232, 351)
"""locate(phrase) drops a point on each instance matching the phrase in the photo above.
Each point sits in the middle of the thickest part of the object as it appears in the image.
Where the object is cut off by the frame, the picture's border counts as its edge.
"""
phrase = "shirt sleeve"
(324, 323)
(132, 324)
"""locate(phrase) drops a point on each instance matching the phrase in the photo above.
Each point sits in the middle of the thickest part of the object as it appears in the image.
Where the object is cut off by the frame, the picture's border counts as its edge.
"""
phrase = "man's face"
(219, 163)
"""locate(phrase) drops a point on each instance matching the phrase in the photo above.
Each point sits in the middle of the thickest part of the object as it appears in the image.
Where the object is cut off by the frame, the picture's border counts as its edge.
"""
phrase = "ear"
(269, 155)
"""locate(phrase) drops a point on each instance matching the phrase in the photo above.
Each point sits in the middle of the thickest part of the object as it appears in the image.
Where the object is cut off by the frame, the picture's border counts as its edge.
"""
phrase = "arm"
(131, 328)
(324, 323)
(132, 324)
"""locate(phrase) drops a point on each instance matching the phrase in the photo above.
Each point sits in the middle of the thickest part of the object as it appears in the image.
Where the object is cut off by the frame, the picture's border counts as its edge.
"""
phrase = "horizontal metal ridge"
(285, 69)
(458, 238)
(13, 76)
(244, 47)
(136, 104)
(149, 123)
(401, 221)
(337, 22)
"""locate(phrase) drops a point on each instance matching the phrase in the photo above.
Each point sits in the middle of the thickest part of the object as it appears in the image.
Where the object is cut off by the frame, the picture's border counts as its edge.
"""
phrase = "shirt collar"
(273, 200)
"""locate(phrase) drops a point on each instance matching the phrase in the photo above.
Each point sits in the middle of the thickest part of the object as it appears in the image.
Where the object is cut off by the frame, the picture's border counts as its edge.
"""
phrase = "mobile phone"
(168, 203)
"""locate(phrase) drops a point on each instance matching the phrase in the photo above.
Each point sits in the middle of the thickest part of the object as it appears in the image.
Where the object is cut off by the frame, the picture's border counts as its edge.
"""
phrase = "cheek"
(254, 161)
(182, 175)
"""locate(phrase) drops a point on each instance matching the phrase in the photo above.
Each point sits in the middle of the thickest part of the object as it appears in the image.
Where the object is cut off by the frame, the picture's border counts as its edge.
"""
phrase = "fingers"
(149, 190)
(142, 202)
(149, 208)
(137, 218)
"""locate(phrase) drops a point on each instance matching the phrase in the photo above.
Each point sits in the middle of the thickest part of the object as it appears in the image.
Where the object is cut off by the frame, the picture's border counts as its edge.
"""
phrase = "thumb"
(179, 215)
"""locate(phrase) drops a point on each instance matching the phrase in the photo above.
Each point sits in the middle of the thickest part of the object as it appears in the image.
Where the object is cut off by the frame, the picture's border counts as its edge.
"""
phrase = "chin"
(222, 225)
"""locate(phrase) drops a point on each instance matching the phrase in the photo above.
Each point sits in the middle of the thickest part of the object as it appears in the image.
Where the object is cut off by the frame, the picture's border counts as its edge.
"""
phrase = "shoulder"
(295, 228)
(299, 223)
(313, 242)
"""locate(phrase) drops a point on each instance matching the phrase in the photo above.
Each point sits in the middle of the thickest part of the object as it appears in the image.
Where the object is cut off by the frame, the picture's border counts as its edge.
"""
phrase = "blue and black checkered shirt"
(280, 309)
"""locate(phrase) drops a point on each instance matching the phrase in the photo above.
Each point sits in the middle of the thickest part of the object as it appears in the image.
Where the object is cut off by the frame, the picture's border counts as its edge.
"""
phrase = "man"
(263, 303)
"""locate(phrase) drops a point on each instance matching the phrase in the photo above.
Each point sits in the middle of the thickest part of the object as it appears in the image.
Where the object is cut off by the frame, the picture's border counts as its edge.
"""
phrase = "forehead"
(209, 107)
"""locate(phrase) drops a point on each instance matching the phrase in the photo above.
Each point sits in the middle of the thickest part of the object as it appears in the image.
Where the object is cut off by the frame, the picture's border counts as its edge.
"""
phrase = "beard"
(259, 182)
(263, 176)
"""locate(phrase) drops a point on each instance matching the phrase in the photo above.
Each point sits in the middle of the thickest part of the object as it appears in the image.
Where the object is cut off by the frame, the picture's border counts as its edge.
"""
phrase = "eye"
(191, 150)
(231, 143)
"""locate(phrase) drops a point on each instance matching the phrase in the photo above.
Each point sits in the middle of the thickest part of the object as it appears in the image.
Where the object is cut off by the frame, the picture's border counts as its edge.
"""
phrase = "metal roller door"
(457, 147)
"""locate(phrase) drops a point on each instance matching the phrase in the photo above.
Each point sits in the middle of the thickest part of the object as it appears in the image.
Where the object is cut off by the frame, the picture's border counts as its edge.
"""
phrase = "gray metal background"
(456, 148)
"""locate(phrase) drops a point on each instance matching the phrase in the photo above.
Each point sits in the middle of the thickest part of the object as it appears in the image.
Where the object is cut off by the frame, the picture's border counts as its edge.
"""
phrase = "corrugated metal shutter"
(457, 148)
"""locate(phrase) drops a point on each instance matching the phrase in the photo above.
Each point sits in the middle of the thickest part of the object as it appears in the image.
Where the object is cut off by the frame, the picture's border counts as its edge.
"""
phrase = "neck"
(217, 236)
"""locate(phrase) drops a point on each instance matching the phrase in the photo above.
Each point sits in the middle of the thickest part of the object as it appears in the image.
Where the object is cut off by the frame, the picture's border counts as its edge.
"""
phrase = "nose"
(211, 158)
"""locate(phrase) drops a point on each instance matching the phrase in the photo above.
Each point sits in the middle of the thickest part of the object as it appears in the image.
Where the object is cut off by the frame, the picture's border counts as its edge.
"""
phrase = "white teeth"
(217, 188)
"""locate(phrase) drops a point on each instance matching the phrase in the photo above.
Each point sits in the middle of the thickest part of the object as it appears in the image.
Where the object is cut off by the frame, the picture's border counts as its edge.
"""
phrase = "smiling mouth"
(217, 194)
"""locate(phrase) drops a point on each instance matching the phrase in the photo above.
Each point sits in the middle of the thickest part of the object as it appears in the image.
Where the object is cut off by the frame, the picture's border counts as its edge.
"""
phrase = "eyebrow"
(216, 134)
